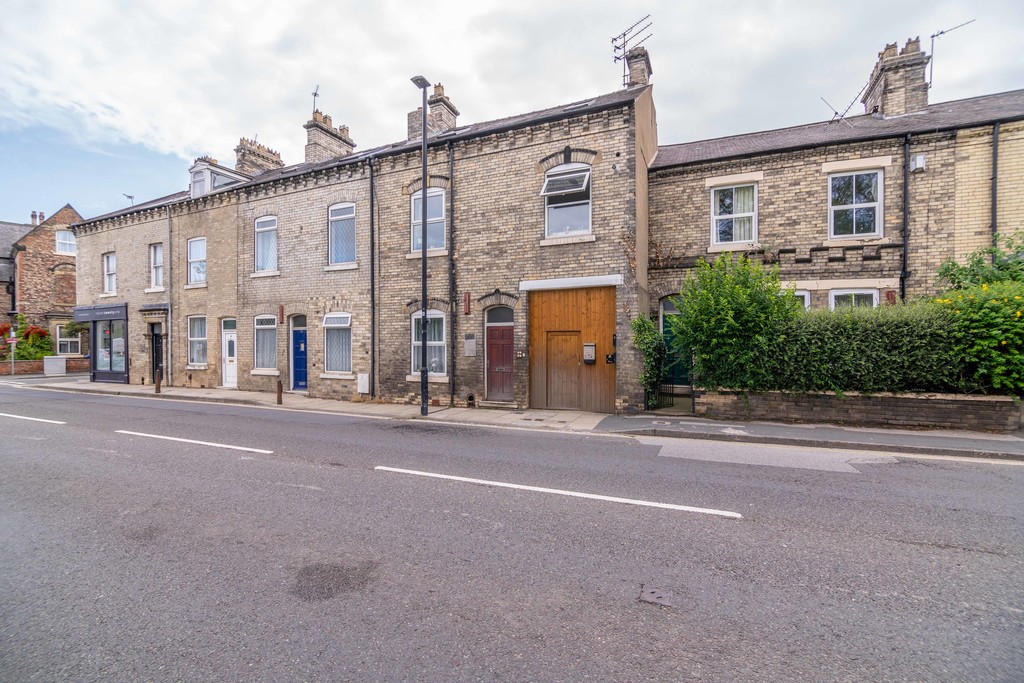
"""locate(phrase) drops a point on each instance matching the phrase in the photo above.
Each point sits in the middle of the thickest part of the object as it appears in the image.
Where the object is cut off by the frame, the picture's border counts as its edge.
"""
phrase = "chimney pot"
(34, 218)
(41, 217)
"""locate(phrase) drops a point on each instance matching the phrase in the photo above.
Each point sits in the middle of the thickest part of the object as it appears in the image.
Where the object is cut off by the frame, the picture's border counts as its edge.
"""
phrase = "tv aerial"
(626, 41)
(836, 115)
(130, 197)
(939, 34)
(316, 94)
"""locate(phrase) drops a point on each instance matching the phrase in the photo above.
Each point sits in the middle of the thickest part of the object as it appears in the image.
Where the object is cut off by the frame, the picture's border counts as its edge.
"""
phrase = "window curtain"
(339, 350)
(266, 348)
(743, 202)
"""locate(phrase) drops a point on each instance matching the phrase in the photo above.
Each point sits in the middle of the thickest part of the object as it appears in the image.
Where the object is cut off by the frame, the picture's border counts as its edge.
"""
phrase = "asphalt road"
(127, 557)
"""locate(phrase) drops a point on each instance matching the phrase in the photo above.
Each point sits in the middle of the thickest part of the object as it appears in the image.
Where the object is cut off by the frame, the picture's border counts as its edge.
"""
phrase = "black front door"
(156, 345)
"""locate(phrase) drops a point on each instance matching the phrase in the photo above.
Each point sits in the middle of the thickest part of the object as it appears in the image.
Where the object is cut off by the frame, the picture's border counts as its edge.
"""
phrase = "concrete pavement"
(936, 441)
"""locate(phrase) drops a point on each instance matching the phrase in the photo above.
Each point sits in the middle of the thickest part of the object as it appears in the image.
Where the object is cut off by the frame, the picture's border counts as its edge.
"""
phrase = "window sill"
(63, 253)
(266, 372)
(570, 239)
(732, 246)
(340, 266)
(107, 295)
(433, 379)
(153, 290)
(858, 240)
(430, 253)
(197, 366)
(337, 375)
(196, 285)
(265, 273)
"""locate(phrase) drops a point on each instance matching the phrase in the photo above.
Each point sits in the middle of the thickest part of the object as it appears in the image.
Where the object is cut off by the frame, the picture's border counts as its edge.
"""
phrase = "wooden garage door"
(561, 322)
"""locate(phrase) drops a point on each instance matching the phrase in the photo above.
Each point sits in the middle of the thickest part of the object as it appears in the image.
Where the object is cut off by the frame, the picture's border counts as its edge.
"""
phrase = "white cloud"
(191, 77)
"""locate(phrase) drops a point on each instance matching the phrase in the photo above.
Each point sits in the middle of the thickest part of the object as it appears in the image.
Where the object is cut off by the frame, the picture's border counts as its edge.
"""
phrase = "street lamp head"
(420, 82)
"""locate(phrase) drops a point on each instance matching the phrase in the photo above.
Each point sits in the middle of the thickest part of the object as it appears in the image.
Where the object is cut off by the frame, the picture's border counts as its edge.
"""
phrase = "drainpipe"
(995, 176)
(453, 312)
(373, 291)
(904, 270)
(168, 260)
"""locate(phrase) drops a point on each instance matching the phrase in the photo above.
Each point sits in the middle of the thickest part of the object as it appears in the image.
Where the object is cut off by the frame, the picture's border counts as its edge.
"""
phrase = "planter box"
(953, 411)
(55, 365)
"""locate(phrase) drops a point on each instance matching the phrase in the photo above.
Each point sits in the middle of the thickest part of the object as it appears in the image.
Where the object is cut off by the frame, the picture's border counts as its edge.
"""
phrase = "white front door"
(229, 350)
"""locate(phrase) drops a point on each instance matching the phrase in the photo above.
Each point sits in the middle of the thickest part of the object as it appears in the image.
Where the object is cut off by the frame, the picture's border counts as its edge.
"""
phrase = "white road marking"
(33, 419)
(561, 492)
(201, 443)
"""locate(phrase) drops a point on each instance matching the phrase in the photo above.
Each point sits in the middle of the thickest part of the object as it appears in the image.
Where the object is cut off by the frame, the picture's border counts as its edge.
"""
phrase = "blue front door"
(298, 359)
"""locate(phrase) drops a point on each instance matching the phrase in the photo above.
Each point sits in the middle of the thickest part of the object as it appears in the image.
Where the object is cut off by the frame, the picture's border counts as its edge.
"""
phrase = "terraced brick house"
(546, 233)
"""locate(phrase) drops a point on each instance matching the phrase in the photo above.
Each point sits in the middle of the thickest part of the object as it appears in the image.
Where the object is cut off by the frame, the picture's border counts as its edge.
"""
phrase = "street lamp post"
(422, 83)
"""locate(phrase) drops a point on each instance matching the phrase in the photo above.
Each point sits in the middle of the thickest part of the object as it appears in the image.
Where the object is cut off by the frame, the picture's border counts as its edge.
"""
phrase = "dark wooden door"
(499, 363)
(564, 356)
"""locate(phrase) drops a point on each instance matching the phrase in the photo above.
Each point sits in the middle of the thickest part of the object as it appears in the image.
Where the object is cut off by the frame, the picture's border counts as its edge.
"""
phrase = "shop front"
(108, 328)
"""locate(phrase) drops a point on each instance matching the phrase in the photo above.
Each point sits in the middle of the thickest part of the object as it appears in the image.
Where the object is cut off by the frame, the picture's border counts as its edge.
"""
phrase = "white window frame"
(263, 322)
(200, 183)
(257, 229)
(156, 265)
(716, 217)
(192, 359)
(564, 170)
(188, 255)
(330, 230)
(417, 216)
(806, 295)
(878, 205)
(844, 292)
(338, 321)
(68, 341)
(110, 272)
(66, 246)
(416, 320)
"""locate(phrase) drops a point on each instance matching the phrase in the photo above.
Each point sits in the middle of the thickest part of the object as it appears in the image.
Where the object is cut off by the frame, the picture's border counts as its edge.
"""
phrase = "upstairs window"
(734, 214)
(855, 204)
(266, 342)
(197, 260)
(198, 183)
(338, 342)
(266, 244)
(156, 266)
(435, 219)
(66, 243)
(566, 193)
(341, 234)
(110, 273)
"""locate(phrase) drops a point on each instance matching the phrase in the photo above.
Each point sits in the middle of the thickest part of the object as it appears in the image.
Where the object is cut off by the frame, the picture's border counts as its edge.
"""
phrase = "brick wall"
(46, 279)
(35, 367)
(983, 413)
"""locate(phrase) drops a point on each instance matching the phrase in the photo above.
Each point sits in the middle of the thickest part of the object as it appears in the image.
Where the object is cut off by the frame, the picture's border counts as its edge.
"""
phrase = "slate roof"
(9, 234)
(595, 104)
(988, 109)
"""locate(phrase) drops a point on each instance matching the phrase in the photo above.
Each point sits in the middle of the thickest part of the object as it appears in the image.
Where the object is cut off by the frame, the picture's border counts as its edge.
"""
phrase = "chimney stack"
(252, 158)
(441, 115)
(323, 141)
(639, 66)
(41, 218)
(34, 218)
(897, 85)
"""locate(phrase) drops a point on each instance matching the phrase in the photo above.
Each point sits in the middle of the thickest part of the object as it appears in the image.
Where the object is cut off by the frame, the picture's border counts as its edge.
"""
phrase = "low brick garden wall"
(35, 367)
(954, 411)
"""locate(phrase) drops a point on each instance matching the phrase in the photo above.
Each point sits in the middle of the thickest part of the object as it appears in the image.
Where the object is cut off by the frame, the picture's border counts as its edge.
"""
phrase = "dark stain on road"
(323, 581)
(145, 534)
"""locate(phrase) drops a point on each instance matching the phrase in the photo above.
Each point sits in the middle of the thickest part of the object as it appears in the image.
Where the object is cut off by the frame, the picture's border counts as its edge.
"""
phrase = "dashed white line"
(201, 443)
(33, 419)
(561, 492)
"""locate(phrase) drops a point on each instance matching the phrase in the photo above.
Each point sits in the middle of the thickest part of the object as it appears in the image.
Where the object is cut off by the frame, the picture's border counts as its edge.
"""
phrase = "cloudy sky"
(105, 98)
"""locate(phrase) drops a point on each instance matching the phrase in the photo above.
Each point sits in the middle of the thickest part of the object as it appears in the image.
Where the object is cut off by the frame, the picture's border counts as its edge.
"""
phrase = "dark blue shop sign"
(101, 312)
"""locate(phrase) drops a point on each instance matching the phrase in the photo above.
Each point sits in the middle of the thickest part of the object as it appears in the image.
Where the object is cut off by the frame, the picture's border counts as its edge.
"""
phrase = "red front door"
(499, 363)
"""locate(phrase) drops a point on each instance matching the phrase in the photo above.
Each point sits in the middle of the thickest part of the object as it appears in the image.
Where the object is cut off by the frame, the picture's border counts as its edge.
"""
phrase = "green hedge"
(747, 333)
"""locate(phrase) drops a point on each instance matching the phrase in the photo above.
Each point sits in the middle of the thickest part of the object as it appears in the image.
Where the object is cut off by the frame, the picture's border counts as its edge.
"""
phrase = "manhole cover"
(656, 596)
